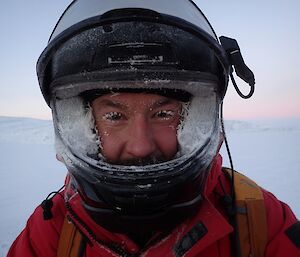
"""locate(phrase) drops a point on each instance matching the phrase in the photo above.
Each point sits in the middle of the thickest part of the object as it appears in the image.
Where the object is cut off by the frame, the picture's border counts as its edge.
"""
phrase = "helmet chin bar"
(163, 220)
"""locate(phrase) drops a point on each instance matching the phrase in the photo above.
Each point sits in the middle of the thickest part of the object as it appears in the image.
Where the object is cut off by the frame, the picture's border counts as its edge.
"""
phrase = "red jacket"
(40, 237)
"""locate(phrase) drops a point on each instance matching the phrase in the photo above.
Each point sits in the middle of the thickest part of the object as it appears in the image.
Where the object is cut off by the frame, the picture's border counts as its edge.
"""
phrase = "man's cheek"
(166, 140)
(110, 145)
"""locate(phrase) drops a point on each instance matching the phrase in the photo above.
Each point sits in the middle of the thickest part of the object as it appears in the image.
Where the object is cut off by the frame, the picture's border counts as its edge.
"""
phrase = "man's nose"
(140, 141)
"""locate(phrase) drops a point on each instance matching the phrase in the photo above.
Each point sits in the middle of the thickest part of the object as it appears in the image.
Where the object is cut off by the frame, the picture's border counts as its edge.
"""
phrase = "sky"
(267, 32)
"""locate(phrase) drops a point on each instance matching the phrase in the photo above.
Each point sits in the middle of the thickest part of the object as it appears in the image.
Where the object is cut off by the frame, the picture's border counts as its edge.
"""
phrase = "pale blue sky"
(267, 32)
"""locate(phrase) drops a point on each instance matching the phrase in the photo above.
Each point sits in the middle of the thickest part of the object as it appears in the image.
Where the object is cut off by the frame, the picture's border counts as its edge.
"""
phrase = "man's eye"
(112, 116)
(165, 114)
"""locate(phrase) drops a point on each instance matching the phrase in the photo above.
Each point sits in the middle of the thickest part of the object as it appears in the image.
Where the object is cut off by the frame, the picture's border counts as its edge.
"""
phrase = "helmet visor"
(80, 10)
(78, 141)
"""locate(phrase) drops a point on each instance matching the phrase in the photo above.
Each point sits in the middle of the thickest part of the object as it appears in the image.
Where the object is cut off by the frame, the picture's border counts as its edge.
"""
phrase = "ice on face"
(76, 126)
(197, 124)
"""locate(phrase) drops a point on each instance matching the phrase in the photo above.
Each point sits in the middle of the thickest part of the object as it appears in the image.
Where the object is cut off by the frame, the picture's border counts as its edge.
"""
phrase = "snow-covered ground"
(267, 151)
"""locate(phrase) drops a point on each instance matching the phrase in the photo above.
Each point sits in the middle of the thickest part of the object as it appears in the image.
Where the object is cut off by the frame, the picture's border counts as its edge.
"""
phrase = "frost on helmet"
(75, 127)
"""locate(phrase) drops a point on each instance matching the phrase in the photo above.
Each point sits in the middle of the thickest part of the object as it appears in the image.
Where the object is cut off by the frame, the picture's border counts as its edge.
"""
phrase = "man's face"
(137, 128)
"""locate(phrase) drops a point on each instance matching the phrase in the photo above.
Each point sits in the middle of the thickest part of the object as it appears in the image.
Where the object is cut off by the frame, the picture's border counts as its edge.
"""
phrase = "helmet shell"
(126, 36)
(134, 40)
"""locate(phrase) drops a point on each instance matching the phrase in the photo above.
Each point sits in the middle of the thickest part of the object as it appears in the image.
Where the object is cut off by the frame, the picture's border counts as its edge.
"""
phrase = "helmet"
(103, 46)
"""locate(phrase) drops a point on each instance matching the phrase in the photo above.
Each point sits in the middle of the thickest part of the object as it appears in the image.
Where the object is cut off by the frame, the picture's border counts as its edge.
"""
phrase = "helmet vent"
(129, 12)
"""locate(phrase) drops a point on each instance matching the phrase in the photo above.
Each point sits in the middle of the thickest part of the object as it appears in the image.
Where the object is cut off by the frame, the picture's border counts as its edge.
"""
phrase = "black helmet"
(104, 45)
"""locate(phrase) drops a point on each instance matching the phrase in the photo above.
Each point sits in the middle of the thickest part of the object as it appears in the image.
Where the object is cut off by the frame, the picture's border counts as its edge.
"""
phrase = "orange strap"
(251, 216)
(69, 240)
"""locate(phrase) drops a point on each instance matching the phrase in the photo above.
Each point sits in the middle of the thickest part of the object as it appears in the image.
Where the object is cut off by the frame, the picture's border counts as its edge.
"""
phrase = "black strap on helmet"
(235, 58)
